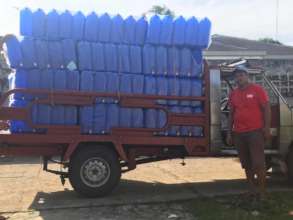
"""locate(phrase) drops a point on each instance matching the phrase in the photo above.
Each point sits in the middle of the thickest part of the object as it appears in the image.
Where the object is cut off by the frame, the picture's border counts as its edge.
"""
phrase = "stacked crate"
(61, 51)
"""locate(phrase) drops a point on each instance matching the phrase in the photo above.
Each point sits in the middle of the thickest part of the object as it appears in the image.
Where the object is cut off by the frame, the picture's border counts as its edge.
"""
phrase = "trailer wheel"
(290, 166)
(94, 171)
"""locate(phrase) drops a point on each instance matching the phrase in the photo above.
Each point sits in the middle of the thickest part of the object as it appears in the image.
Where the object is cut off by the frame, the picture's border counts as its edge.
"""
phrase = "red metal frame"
(63, 140)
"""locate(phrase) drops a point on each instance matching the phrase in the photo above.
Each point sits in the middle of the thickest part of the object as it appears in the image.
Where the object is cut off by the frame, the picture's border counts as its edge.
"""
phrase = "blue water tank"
(197, 130)
(112, 82)
(125, 83)
(185, 90)
(204, 33)
(125, 113)
(26, 22)
(123, 58)
(86, 119)
(161, 121)
(173, 61)
(87, 112)
(174, 130)
(137, 113)
(52, 27)
(58, 111)
(39, 24)
(117, 29)
(161, 60)
(99, 118)
(84, 55)
(135, 59)
(18, 126)
(111, 57)
(192, 32)
(173, 89)
(112, 119)
(179, 31)
(105, 24)
(98, 57)
(166, 31)
(78, 24)
(185, 130)
(141, 27)
(91, 29)
(72, 80)
(162, 88)
(196, 90)
(65, 25)
(41, 48)
(154, 29)
(100, 85)
(55, 54)
(18, 80)
(29, 58)
(69, 54)
(129, 30)
(46, 79)
(150, 114)
(197, 63)
(186, 62)
(44, 111)
(14, 52)
(149, 59)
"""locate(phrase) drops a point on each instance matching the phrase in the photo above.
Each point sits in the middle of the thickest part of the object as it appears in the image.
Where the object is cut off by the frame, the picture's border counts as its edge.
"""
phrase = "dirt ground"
(155, 190)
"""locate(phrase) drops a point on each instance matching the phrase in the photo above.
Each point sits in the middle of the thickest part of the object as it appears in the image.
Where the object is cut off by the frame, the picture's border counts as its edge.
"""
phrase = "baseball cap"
(240, 68)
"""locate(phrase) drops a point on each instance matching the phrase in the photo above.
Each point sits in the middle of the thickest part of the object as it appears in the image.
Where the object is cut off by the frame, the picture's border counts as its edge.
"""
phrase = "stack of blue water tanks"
(103, 53)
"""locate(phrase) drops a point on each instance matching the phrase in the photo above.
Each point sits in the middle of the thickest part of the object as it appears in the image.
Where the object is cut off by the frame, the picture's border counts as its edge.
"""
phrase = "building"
(277, 60)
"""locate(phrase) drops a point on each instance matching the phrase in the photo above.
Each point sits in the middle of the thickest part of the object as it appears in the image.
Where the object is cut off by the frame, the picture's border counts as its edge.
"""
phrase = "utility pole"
(277, 19)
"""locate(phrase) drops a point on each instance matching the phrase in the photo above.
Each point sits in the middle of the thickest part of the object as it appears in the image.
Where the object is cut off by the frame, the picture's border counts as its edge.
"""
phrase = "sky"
(251, 19)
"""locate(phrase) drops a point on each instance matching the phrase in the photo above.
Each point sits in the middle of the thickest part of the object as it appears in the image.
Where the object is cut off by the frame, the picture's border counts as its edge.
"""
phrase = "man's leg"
(250, 177)
(244, 156)
(256, 147)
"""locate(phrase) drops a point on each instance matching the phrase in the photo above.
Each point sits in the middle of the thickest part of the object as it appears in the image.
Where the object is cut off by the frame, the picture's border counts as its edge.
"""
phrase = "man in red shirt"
(249, 124)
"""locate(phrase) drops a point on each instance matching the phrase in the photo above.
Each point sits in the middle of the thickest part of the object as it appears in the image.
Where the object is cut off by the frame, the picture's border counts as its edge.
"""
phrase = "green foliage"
(161, 10)
(270, 40)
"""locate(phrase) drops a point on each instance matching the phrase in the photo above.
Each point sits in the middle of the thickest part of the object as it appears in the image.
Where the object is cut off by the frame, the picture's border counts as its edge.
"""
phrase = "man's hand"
(229, 139)
(267, 133)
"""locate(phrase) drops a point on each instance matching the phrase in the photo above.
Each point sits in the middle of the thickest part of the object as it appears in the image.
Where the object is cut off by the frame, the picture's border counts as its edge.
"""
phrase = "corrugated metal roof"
(234, 46)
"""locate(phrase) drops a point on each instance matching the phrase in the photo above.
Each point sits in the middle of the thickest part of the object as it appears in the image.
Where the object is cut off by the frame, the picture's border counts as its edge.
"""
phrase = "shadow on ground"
(138, 192)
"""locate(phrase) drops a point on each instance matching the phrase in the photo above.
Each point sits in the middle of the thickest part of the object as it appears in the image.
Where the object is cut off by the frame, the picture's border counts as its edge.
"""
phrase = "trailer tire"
(290, 166)
(94, 171)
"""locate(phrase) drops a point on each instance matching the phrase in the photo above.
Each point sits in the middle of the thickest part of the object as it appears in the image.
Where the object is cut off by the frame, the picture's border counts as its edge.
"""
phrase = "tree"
(270, 41)
(161, 10)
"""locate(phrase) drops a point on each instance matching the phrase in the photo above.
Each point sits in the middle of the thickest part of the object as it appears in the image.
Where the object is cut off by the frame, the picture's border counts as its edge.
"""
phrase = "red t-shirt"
(247, 105)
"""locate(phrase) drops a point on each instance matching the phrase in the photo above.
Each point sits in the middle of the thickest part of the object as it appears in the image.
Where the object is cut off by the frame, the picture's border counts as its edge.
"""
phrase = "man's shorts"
(250, 147)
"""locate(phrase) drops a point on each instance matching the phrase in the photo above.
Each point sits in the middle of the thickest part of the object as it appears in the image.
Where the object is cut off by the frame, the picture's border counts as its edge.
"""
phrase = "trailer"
(94, 163)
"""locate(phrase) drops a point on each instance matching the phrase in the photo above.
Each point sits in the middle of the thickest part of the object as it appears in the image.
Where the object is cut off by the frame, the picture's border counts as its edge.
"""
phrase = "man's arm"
(267, 119)
(230, 126)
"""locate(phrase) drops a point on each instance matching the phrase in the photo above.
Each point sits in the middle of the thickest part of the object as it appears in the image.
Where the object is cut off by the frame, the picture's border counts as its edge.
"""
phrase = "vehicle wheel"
(94, 171)
(290, 166)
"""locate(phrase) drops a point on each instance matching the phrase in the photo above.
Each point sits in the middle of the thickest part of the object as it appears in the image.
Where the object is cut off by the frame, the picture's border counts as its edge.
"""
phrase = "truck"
(94, 163)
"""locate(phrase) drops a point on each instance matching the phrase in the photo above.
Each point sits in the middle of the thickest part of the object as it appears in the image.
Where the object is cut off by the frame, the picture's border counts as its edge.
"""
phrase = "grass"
(279, 205)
